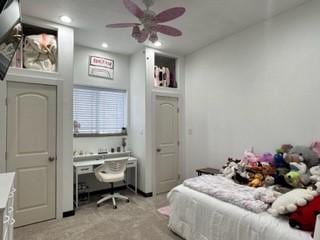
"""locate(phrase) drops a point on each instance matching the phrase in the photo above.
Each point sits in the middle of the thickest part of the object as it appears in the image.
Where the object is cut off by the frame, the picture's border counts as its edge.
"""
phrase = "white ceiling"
(204, 22)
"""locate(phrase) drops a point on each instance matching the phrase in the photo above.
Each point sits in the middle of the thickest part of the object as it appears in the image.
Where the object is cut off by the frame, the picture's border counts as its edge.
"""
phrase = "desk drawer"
(85, 170)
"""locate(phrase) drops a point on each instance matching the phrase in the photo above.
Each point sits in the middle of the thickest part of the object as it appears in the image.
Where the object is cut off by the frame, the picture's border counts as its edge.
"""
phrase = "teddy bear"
(304, 218)
(309, 157)
(257, 181)
(289, 202)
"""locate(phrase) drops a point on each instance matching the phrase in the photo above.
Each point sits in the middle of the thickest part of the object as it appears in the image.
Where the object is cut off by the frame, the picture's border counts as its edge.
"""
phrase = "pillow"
(289, 202)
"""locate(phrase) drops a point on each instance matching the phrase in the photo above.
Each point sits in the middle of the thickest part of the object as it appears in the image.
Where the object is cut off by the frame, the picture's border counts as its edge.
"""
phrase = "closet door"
(31, 147)
(167, 142)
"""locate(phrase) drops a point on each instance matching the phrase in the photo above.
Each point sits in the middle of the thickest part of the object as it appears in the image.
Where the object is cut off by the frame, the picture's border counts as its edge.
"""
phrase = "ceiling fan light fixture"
(157, 44)
(153, 37)
(136, 32)
(150, 23)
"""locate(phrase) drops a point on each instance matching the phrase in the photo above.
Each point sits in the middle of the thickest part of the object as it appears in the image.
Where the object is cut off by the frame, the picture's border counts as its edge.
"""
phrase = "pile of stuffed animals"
(293, 173)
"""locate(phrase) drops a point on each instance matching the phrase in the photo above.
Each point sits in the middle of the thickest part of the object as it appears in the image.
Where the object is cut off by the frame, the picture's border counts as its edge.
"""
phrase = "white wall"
(256, 88)
(138, 118)
(121, 69)
(121, 81)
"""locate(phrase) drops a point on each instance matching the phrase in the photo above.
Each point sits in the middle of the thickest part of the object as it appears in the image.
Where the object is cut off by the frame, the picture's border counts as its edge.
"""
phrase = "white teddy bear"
(290, 201)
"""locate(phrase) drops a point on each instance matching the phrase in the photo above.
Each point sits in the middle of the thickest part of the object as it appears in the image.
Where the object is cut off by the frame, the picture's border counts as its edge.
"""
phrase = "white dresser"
(7, 192)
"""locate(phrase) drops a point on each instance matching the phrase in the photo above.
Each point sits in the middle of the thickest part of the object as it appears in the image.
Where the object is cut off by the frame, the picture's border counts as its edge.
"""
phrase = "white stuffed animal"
(290, 201)
(230, 170)
(315, 174)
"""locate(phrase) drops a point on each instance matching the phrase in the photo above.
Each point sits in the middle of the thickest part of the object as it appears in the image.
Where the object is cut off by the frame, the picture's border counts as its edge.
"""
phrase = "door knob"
(158, 150)
(51, 159)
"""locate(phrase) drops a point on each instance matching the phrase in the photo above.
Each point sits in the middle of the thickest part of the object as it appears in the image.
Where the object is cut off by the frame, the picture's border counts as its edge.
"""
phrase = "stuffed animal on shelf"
(257, 181)
(289, 202)
(304, 218)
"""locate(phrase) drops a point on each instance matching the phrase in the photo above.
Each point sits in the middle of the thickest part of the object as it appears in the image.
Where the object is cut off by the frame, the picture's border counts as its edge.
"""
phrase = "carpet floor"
(137, 220)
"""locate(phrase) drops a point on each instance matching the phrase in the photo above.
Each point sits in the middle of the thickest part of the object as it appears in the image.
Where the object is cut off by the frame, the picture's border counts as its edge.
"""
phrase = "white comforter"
(197, 216)
(253, 199)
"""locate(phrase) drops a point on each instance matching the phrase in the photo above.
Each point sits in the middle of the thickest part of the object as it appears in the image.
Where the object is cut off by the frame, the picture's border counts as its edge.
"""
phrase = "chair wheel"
(128, 200)
(98, 205)
(115, 207)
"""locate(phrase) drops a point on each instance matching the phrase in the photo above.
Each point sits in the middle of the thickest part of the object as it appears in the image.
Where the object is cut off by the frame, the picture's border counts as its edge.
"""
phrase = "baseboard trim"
(68, 214)
(146, 195)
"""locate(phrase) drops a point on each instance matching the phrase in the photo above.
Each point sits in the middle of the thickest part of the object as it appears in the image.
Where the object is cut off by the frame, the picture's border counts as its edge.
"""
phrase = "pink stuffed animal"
(266, 158)
(250, 158)
(316, 148)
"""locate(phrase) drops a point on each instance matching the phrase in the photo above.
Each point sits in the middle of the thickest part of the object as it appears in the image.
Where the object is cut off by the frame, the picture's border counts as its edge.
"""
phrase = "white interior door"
(167, 143)
(31, 148)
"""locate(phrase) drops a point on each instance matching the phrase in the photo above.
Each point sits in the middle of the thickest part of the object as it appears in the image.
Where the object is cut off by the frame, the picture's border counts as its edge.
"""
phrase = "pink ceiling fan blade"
(143, 36)
(133, 8)
(171, 31)
(170, 14)
(122, 25)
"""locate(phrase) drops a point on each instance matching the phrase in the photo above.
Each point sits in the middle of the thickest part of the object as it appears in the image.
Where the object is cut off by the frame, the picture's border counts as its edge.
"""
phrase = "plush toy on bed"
(315, 174)
(250, 158)
(310, 157)
(305, 217)
(289, 202)
(229, 169)
(278, 160)
(257, 181)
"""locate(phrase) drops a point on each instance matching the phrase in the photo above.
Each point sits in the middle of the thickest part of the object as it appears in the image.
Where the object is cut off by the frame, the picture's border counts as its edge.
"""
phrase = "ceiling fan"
(149, 25)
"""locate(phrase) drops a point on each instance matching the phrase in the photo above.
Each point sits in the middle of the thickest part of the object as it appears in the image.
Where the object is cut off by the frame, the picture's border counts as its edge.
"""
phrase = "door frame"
(59, 134)
(179, 98)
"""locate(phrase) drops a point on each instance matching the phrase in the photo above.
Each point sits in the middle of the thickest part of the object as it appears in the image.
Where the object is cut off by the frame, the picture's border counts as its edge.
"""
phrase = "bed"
(197, 216)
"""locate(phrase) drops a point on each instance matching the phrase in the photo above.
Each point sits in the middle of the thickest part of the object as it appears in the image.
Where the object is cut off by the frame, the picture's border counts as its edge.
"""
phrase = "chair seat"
(110, 177)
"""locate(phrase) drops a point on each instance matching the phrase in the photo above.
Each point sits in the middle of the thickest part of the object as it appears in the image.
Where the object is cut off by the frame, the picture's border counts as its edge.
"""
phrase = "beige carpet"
(137, 220)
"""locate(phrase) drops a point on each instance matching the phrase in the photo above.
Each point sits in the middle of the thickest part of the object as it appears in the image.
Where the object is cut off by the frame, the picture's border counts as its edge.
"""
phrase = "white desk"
(87, 167)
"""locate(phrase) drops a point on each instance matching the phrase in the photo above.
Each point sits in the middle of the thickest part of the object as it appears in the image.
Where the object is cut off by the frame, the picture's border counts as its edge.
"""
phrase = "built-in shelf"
(19, 58)
(165, 72)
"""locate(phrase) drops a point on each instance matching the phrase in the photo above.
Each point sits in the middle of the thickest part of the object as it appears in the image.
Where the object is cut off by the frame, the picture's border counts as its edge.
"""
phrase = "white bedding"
(197, 216)
(254, 199)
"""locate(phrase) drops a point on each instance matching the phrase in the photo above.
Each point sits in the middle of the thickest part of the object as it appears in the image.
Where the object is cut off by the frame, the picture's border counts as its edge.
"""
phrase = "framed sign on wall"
(101, 67)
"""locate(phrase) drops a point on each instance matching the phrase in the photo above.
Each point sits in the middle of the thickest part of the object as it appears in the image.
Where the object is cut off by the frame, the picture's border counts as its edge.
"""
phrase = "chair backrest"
(113, 166)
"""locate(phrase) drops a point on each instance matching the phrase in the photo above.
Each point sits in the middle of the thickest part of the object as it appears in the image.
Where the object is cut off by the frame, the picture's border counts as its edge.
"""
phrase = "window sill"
(88, 135)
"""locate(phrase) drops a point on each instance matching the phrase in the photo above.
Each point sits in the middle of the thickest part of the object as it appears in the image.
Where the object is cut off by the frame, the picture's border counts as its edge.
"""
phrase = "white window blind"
(99, 111)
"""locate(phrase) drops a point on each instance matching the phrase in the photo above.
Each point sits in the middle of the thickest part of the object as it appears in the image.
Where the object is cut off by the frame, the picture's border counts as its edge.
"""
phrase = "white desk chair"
(111, 172)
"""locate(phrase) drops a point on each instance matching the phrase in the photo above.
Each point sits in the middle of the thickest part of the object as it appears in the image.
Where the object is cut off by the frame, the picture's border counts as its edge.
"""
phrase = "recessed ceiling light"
(105, 45)
(158, 44)
(65, 19)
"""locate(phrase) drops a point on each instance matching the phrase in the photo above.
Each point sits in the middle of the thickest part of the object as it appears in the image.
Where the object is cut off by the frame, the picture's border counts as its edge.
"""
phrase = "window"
(99, 111)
